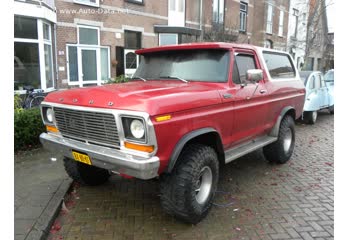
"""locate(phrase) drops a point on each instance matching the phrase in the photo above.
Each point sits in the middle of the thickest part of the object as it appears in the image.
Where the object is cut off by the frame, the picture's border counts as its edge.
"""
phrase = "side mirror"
(254, 75)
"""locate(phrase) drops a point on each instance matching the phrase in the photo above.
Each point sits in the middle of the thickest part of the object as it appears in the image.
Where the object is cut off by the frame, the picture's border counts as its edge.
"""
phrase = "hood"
(153, 97)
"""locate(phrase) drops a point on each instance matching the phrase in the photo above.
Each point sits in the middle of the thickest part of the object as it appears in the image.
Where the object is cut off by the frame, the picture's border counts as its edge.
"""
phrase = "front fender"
(182, 142)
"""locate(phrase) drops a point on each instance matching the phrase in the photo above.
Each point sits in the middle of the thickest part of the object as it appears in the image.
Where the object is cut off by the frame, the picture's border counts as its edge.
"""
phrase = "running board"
(243, 149)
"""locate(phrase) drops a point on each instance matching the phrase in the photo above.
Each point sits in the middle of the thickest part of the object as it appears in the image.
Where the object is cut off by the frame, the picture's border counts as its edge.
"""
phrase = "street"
(255, 200)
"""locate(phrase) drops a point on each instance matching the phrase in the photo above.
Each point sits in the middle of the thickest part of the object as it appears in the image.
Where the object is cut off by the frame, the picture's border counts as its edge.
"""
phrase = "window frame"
(245, 14)
(216, 18)
(268, 71)
(41, 48)
(175, 34)
(88, 27)
(296, 16)
(139, 2)
(138, 33)
(269, 22)
(82, 2)
(281, 23)
(246, 53)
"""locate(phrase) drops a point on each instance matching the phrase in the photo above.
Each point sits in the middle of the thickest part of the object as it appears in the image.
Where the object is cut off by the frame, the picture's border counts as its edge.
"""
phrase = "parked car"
(319, 95)
(189, 109)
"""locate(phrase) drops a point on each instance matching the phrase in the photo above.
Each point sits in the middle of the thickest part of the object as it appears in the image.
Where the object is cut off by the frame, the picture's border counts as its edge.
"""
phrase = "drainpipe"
(56, 60)
(201, 18)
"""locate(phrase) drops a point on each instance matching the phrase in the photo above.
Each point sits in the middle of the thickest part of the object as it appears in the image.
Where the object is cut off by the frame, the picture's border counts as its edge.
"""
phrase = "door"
(250, 108)
(323, 94)
(176, 16)
(88, 67)
(131, 60)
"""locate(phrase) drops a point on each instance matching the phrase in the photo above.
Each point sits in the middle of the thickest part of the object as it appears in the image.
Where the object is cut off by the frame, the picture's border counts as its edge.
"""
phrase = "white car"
(319, 95)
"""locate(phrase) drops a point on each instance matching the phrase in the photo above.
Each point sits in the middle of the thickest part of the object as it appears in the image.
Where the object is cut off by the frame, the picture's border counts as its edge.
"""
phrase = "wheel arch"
(289, 110)
(204, 136)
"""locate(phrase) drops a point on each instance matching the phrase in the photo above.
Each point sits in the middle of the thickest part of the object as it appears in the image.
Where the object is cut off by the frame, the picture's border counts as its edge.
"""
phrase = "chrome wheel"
(287, 142)
(204, 185)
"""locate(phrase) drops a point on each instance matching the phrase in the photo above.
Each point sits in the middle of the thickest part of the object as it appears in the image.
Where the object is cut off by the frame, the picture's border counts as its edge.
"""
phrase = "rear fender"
(286, 110)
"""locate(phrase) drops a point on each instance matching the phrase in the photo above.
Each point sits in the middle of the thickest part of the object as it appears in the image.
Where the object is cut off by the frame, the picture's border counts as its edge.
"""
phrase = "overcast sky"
(331, 14)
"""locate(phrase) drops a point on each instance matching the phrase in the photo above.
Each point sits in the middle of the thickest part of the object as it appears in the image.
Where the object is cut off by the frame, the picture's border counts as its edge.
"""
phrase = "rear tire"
(85, 174)
(282, 150)
(310, 117)
(187, 192)
(331, 110)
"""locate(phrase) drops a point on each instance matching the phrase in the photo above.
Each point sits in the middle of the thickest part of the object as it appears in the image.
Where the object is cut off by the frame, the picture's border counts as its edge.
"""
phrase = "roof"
(196, 45)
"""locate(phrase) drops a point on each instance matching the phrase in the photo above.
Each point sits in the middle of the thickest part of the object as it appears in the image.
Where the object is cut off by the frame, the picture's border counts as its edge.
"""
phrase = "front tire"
(85, 174)
(331, 110)
(187, 192)
(282, 150)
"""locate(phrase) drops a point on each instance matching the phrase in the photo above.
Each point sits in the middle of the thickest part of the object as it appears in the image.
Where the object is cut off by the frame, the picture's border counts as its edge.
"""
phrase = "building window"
(268, 44)
(132, 39)
(243, 12)
(168, 39)
(295, 22)
(280, 25)
(176, 14)
(88, 35)
(94, 3)
(135, 1)
(269, 19)
(218, 11)
(33, 57)
(88, 62)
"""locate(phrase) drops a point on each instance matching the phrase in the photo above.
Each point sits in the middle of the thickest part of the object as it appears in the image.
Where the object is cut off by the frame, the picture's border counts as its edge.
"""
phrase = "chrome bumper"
(110, 159)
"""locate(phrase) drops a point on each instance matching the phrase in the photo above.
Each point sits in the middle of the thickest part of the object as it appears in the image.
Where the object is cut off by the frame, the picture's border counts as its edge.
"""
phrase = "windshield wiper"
(137, 78)
(174, 77)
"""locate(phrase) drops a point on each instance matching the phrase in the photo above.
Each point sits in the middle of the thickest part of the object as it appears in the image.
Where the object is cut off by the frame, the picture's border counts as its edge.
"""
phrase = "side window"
(243, 62)
(280, 65)
(312, 82)
(318, 82)
(323, 84)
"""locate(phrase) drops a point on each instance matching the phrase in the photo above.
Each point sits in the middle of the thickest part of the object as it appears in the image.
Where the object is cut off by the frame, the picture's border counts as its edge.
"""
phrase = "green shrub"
(28, 126)
(119, 79)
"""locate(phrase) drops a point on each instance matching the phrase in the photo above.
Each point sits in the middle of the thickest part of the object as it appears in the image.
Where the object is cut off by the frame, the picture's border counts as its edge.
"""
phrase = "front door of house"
(87, 65)
(131, 60)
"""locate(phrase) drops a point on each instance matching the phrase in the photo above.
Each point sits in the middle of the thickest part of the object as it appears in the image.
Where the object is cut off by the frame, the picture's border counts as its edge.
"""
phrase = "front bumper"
(110, 159)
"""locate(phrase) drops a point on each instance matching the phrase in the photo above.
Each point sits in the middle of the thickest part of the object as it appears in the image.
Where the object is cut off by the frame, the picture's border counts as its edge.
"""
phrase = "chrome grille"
(92, 127)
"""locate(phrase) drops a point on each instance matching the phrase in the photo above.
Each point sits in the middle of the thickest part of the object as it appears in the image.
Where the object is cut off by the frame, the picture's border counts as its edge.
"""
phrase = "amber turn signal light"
(163, 118)
(51, 129)
(142, 148)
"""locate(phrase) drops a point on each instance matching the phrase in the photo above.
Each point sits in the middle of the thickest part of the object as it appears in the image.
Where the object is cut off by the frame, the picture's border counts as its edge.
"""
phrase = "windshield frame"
(223, 61)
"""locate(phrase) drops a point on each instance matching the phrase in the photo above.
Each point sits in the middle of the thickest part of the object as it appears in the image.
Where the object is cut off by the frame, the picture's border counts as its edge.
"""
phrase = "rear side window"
(279, 65)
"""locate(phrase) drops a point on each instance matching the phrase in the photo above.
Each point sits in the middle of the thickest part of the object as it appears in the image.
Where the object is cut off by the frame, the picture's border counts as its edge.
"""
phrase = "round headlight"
(137, 129)
(49, 115)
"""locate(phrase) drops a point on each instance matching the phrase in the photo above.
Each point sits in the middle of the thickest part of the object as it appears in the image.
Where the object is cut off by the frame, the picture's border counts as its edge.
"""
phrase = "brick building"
(96, 40)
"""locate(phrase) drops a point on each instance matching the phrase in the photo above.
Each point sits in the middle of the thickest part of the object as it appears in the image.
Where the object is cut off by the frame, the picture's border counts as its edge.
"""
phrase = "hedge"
(28, 126)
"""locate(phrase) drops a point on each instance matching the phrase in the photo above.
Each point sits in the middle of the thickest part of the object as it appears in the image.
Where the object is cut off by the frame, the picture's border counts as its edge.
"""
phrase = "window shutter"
(119, 52)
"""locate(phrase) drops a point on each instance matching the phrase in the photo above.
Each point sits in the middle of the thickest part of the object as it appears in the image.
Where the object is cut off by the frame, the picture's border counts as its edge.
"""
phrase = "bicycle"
(33, 98)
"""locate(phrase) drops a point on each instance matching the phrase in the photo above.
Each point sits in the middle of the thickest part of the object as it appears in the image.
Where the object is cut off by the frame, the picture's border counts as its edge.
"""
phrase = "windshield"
(329, 76)
(208, 65)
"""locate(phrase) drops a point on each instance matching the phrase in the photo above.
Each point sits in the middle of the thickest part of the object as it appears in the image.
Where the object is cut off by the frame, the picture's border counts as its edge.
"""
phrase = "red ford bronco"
(188, 110)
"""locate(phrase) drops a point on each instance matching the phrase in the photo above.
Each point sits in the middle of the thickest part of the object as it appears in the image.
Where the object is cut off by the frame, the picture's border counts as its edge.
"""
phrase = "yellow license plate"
(80, 157)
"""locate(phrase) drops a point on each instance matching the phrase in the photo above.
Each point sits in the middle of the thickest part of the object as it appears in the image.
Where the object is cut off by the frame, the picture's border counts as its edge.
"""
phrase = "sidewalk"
(40, 185)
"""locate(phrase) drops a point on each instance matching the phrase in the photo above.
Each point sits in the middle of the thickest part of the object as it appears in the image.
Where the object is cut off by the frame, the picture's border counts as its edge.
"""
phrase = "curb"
(43, 224)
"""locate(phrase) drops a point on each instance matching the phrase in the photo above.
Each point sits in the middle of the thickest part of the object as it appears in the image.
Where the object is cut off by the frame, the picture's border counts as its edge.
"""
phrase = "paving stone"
(270, 201)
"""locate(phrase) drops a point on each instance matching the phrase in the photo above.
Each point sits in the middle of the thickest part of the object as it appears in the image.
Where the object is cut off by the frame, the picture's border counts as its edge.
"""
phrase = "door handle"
(227, 95)
(263, 91)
